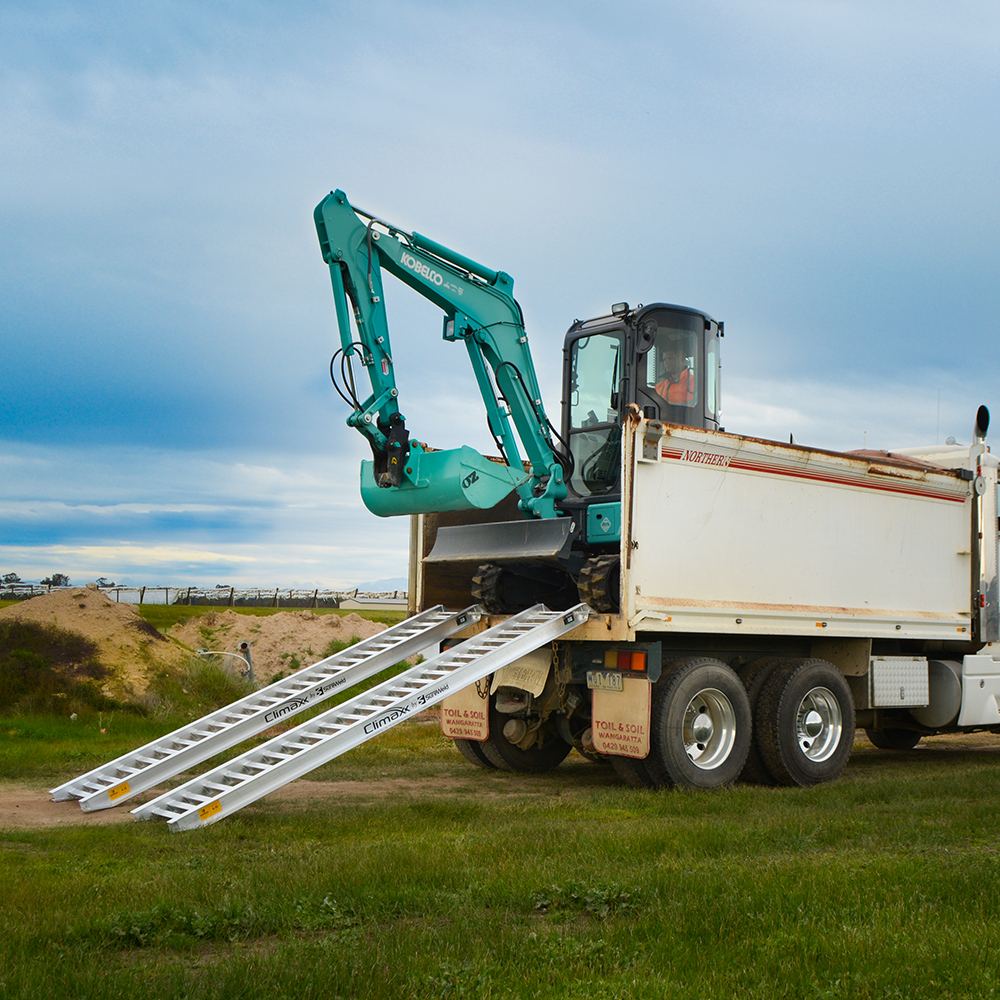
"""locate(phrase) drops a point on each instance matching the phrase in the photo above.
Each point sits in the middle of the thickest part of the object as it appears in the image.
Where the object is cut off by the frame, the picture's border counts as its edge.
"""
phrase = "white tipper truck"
(773, 597)
(747, 603)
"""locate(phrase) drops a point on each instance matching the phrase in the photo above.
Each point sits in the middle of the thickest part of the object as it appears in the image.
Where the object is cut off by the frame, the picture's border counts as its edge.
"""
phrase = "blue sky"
(820, 175)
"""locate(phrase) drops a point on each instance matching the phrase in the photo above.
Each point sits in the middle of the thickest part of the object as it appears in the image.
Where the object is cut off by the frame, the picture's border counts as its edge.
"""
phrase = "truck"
(689, 605)
(753, 601)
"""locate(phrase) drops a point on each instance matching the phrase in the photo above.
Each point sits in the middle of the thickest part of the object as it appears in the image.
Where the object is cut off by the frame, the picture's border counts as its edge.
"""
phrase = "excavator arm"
(480, 310)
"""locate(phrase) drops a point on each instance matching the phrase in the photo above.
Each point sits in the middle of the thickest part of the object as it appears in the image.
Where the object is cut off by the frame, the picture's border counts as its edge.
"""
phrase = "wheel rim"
(819, 724)
(709, 728)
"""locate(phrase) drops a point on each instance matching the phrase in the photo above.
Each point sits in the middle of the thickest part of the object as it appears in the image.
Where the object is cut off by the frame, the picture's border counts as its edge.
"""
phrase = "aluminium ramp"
(120, 779)
(222, 791)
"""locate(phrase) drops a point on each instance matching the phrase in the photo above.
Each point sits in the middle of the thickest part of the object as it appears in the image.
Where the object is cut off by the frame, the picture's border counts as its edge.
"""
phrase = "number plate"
(604, 680)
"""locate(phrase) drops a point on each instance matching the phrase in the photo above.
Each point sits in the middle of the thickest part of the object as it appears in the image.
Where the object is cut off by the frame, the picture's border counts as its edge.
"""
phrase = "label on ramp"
(465, 714)
(620, 719)
(118, 791)
(205, 812)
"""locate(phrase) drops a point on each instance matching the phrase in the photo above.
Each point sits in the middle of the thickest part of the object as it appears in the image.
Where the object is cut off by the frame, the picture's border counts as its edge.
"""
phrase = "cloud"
(820, 176)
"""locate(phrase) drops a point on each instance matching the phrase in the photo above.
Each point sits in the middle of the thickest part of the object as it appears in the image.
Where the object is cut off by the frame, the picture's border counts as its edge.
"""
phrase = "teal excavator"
(658, 361)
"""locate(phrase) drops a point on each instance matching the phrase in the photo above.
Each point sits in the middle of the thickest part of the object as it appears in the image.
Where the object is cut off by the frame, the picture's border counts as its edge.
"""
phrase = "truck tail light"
(624, 659)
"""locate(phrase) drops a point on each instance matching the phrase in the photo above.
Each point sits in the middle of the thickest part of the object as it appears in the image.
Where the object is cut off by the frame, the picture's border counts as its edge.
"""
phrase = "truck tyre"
(472, 751)
(632, 771)
(754, 676)
(805, 723)
(699, 725)
(507, 756)
(893, 739)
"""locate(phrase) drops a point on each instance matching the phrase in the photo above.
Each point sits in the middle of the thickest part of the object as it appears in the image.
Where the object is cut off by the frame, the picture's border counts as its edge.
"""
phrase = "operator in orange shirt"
(678, 385)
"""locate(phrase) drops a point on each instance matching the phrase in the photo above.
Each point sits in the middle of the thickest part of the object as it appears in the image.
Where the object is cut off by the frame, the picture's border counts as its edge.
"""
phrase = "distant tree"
(103, 581)
(56, 580)
(11, 578)
(222, 586)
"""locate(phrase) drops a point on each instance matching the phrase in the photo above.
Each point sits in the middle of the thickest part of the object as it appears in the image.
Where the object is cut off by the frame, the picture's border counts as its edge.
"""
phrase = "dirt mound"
(127, 645)
(285, 641)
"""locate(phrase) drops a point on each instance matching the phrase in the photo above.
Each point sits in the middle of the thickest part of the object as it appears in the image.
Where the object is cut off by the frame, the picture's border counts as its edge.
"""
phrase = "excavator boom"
(404, 477)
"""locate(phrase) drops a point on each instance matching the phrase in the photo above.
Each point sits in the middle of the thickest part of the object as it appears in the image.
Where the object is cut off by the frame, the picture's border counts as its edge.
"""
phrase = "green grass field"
(423, 877)
(163, 616)
(400, 871)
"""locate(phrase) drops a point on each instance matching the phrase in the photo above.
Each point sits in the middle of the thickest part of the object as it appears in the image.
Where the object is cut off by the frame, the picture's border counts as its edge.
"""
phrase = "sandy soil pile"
(276, 641)
(127, 644)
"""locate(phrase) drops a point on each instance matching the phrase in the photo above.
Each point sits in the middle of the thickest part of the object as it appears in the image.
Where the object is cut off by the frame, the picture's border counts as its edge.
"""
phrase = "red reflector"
(982, 600)
(624, 660)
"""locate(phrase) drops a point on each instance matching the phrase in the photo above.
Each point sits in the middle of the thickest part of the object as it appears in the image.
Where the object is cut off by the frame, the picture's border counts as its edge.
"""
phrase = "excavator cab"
(663, 358)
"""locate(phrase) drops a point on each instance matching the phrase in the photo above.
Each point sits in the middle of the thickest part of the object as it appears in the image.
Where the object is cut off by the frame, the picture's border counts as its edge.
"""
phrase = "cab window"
(595, 431)
(671, 369)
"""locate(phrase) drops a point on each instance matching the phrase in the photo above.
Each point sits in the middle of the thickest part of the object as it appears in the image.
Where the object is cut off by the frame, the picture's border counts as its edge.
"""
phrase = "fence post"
(274, 603)
(232, 596)
(142, 594)
(315, 595)
(244, 650)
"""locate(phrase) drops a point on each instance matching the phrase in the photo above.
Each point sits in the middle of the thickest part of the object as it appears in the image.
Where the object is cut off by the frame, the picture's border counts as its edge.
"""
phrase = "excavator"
(562, 546)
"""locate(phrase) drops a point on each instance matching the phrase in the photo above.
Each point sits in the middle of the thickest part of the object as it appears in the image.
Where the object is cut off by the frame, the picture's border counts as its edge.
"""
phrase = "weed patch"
(44, 669)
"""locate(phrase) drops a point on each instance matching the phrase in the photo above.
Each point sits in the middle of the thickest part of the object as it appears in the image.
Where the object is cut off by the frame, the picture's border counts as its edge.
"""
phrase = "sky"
(822, 176)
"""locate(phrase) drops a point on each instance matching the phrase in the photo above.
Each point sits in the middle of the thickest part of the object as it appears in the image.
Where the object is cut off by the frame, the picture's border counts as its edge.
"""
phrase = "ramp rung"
(165, 814)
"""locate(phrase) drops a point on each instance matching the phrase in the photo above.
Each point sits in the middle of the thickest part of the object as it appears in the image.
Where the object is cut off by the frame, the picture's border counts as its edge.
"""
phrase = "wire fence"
(238, 597)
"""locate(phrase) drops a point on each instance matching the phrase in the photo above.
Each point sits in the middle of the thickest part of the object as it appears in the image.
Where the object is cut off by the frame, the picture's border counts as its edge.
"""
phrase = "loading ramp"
(224, 790)
(145, 768)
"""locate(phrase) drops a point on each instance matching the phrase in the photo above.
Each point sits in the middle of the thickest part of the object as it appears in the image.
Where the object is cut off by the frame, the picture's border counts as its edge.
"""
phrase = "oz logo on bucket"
(470, 479)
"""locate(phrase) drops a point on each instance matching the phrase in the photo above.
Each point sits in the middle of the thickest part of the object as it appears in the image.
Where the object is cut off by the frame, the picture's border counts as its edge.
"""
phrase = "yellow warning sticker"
(206, 812)
(118, 791)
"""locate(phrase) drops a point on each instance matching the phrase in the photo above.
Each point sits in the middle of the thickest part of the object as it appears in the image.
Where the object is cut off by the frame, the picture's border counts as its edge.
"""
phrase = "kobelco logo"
(422, 269)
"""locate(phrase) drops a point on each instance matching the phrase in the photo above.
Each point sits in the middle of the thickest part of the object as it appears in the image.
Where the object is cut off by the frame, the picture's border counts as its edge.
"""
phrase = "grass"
(481, 884)
(164, 616)
(422, 877)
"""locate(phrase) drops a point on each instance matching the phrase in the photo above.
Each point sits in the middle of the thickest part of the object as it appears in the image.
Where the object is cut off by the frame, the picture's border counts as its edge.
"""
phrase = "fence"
(217, 596)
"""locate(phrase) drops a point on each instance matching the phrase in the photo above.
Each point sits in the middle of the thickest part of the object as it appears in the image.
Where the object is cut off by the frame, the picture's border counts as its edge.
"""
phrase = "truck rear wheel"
(754, 676)
(472, 751)
(805, 723)
(699, 725)
(893, 739)
(632, 771)
(507, 756)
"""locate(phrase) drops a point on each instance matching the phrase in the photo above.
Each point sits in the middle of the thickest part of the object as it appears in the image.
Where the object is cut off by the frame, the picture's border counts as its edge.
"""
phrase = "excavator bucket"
(435, 481)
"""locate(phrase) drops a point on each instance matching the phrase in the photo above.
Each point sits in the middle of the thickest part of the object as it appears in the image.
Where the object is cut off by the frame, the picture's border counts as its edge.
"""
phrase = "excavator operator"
(677, 385)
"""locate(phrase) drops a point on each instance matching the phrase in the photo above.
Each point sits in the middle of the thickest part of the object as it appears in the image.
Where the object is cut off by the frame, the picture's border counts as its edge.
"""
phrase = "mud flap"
(620, 719)
(465, 715)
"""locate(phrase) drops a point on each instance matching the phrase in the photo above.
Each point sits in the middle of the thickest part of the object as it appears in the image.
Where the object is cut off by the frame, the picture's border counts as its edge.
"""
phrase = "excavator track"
(487, 589)
(505, 590)
(598, 583)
